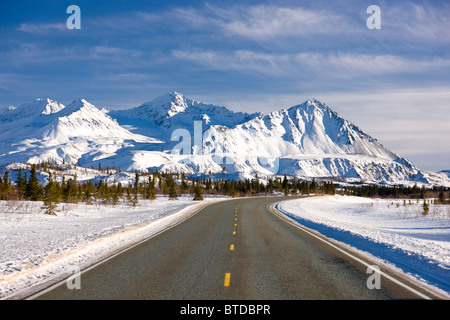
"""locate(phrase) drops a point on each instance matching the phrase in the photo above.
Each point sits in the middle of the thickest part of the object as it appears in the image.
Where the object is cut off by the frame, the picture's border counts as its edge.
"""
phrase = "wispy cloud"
(104, 52)
(42, 28)
(259, 22)
(418, 21)
(341, 65)
(402, 21)
(265, 22)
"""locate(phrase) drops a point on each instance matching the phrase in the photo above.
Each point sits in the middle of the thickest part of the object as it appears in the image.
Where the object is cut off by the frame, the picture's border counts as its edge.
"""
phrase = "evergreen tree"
(136, 189)
(232, 190)
(51, 196)
(129, 193)
(33, 189)
(173, 192)
(441, 197)
(114, 196)
(313, 186)
(151, 190)
(286, 188)
(269, 187)
(4, 186)
(88, 191)
(426, 207)
(304, 187)
(285, 183)
(198, 192)
(70, 191)
(6, 182)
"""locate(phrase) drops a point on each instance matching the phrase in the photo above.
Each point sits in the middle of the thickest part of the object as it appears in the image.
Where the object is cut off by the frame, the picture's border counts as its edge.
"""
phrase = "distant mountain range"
(174, 133)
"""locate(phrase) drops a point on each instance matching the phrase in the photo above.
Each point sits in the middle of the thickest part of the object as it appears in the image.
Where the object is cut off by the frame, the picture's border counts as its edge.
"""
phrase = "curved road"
(235, 249)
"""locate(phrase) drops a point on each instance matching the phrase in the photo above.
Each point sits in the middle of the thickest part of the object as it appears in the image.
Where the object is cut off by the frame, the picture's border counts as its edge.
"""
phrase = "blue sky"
(250, 56)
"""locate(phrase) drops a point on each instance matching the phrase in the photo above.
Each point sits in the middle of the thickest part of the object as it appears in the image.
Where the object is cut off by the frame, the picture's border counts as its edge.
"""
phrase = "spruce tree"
(173, 192)
(286, 190)
(4, 185)
(129, 193)
(114, 195)
(198, 193)
(151, 190)
(6, 182)
(51, 196)
(33, 189)
(426, 207)
(441, 197)
(136, 189)
(88, 189)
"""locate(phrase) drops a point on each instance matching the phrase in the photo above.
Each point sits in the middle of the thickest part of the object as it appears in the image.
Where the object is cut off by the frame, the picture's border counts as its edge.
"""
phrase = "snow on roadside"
(392, 231)
(37, 248)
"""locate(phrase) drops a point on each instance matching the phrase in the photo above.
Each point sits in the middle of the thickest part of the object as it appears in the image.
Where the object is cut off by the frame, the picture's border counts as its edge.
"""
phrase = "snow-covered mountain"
(175, 110)
(45, 129)
(175, 133)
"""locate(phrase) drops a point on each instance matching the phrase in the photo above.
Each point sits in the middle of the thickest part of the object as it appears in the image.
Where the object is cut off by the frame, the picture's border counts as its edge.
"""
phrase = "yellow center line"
(226, 282)
(232, 247)
(234, 232)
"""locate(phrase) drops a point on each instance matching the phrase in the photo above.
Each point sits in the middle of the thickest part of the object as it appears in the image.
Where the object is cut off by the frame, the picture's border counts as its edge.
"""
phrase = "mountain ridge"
(308, 140)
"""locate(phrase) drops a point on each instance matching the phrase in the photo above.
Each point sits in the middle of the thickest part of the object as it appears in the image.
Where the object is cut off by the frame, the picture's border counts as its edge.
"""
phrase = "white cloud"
(267, 22)
(338, 65)
(42, 28)
(103, 52)
(418, 21)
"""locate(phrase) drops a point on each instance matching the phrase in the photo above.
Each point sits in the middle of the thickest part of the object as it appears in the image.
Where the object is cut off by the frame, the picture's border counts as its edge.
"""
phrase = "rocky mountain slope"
(175, 133)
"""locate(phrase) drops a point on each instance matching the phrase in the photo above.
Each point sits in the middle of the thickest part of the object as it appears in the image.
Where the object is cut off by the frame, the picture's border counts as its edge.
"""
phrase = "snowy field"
(393, 232)
(36, 248)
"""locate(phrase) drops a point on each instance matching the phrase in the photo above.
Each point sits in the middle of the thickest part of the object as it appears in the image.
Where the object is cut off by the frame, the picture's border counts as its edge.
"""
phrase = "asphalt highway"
(235, 249)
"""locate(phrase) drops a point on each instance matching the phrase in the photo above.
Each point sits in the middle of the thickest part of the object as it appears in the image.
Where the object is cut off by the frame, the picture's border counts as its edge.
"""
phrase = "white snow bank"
(37, 248)
(393, 231)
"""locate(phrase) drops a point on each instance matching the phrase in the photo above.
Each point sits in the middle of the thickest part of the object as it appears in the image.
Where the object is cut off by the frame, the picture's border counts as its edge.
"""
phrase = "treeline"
(441, 194)
(146, 186)
(72, 191)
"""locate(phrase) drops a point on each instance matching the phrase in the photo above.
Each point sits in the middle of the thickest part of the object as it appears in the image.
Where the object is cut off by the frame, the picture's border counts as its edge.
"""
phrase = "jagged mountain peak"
(311, 106)
(306, 140)
(83, 118)
(48, 106)
(176, 110)
(37, 107)
(79, 104)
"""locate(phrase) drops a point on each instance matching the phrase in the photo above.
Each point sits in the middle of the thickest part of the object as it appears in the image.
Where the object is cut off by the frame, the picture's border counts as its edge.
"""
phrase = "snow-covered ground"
(37, 248)
(393, 232)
